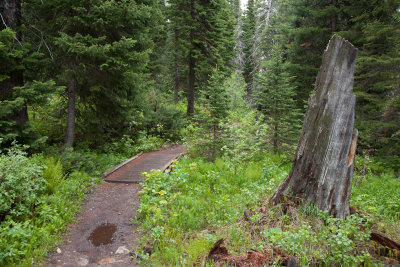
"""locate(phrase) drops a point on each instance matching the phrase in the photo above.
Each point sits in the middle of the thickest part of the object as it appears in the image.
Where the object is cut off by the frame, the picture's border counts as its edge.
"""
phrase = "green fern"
(53, 174)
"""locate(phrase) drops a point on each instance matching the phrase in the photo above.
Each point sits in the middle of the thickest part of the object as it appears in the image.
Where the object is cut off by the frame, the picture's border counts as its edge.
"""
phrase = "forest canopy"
(87, 71)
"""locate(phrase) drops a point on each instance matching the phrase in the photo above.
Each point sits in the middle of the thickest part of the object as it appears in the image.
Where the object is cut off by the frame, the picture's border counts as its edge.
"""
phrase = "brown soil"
(105, 220)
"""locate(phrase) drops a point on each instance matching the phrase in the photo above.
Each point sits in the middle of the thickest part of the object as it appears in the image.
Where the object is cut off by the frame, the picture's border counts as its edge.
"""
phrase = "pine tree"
(18, 89)
(265, 9)
(249, 28)
(205, 39)
(13, 113)
(239, 58)
(311, 23)
(275, 99)
(374, 27)
(216, 103)
(257, 20)
(101, 51)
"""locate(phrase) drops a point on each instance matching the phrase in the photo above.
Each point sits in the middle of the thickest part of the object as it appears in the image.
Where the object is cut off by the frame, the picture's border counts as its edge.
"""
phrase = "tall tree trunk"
(323, 166)
(176, 82)
(275, 128)
(275, 137)
(190, 93)
(192, 65)
(11, 15)
(334, 17)
(214, 145)
(10, 11)
(176, 75)
(70, 131)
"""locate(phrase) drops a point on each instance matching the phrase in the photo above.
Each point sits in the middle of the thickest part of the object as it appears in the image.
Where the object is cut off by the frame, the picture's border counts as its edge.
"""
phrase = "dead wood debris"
(222, 257)
(376, 237)
(384, 241)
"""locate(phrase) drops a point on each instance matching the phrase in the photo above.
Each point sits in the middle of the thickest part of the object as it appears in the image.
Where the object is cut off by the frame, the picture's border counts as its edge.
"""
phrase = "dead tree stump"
(323, 166)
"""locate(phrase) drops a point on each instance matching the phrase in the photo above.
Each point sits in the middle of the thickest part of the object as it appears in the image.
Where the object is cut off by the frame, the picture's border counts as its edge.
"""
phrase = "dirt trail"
(110, 207)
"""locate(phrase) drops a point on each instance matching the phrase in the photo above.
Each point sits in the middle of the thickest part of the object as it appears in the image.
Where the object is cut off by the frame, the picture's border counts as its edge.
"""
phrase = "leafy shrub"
(166, 122)
(128, 147)
(335, 242)
(36, 203)
(78, 161)
(146, 143)
(21, 183)
(92, 163)
(23, 241)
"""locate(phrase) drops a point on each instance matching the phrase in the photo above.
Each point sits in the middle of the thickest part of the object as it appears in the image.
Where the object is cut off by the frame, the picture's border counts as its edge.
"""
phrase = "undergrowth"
(37, 202)
(40, 194)
(184, 212)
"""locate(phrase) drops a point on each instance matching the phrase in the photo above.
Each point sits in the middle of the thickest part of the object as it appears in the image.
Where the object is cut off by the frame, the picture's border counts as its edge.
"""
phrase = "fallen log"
(384, 241)
(376, 237)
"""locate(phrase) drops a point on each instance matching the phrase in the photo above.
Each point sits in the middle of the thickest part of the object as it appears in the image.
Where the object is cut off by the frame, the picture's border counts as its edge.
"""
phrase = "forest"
(88, 84)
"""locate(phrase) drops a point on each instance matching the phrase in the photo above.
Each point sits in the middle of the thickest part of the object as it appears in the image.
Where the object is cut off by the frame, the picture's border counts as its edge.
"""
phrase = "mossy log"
(323, 166)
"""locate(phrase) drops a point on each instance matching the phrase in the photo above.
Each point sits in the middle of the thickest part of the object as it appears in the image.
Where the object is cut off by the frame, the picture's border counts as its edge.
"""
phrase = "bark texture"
(70, 131)
(323, 166)
(176, 74)
(190, 92)
(11, 15)
(192, 65)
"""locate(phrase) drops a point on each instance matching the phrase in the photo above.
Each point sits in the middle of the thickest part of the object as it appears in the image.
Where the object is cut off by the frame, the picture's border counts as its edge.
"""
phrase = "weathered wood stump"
(323, 166)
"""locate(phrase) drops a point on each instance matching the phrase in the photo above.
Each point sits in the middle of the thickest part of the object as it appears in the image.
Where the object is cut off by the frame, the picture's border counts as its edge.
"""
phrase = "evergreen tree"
(257, 20)
(216, 104)
(204, 39)
(264, 11)
(275, 99)
(236, 89)
(18, 90)
(374, 27)
(249, 28)
(311, 23)
(101, 52)
(239, 59)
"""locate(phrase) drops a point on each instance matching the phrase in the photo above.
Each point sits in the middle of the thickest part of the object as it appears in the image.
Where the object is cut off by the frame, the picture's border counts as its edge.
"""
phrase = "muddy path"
(104, 234)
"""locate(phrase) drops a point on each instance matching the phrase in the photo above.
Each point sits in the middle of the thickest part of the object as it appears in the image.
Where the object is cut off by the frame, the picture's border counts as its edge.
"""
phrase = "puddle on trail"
(102, 235)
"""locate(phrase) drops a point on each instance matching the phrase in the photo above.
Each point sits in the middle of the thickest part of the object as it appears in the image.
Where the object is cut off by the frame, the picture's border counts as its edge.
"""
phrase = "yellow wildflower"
(193, 166)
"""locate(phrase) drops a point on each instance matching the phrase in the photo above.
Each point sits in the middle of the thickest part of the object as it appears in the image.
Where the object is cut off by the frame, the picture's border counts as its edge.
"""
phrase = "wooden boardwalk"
(130, 171)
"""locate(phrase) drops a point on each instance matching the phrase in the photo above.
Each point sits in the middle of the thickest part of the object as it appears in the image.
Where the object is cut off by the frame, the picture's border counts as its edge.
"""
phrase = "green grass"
(184, 212)
(378, 195)
(185, 206)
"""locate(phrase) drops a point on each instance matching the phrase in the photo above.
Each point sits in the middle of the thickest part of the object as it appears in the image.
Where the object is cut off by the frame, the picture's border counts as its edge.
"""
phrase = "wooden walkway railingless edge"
(130, 171)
